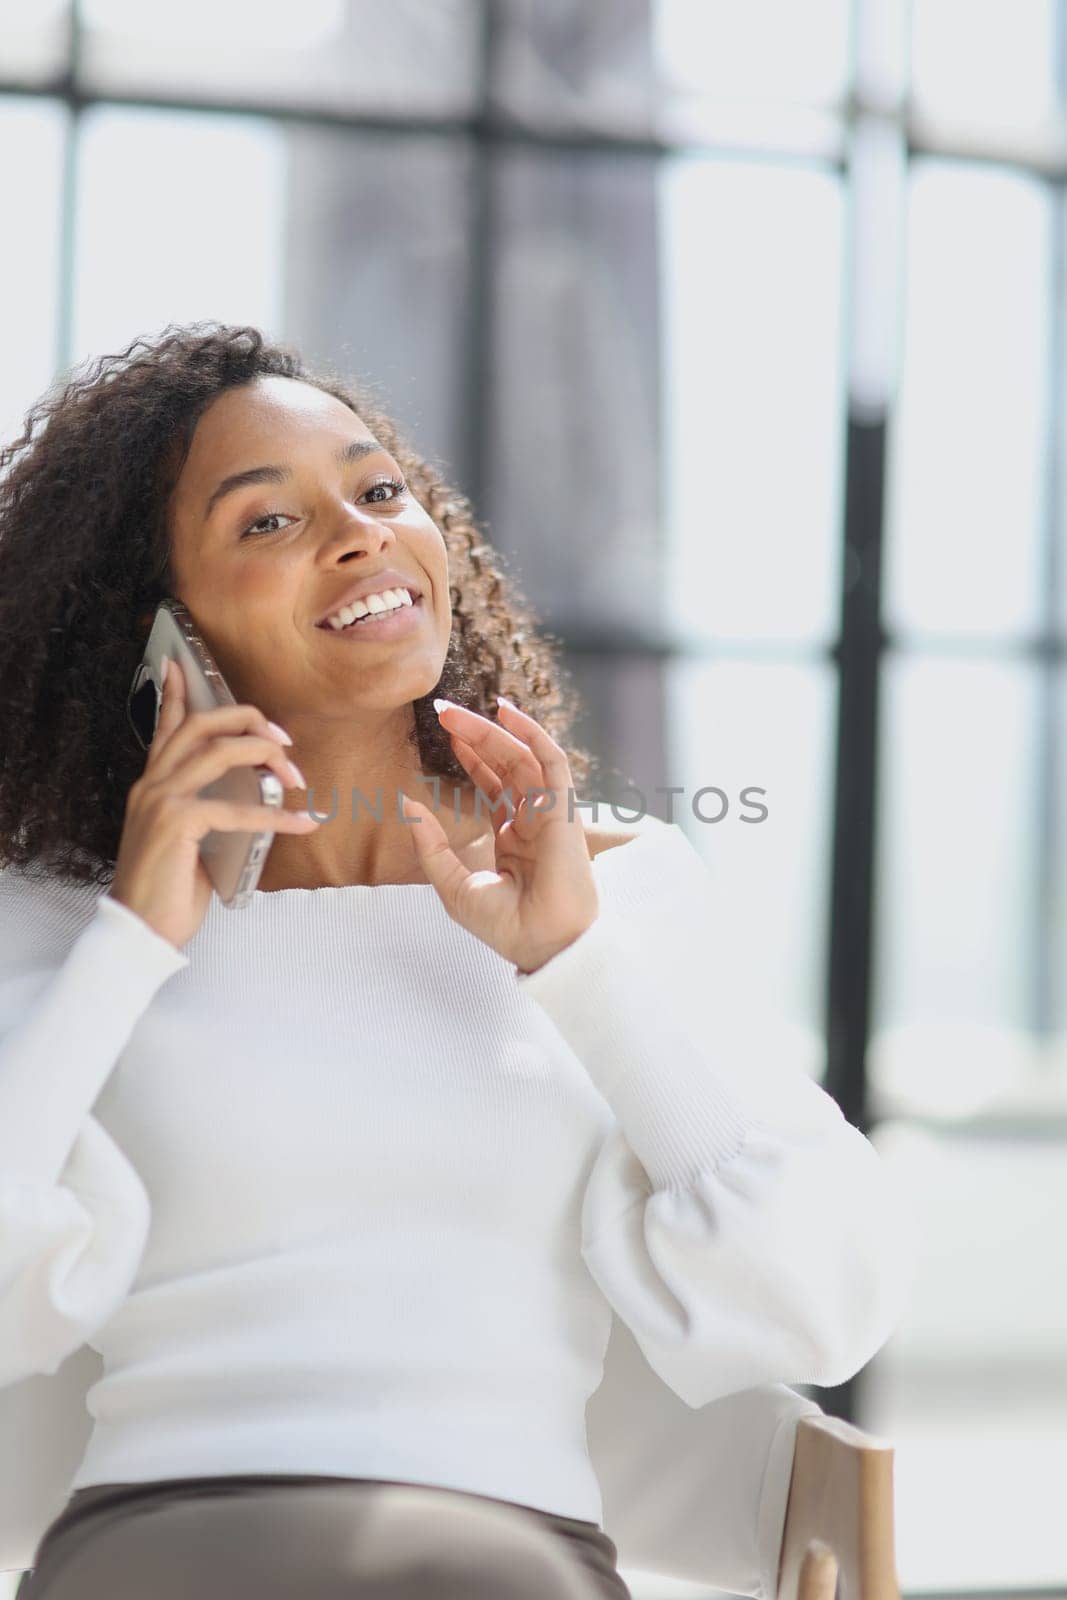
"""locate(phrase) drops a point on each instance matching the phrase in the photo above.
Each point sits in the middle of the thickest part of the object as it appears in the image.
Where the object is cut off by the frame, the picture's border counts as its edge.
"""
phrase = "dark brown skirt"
(322, 1538)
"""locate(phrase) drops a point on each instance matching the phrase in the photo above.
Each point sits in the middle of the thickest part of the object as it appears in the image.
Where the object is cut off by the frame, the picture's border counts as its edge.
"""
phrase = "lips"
(360, 591)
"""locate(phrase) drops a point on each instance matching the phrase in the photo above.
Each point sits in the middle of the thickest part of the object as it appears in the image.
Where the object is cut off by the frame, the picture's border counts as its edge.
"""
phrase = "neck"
(355, 847)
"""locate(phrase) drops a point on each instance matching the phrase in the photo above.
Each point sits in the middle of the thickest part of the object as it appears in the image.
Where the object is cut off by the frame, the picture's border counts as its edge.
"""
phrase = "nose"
(356, 534)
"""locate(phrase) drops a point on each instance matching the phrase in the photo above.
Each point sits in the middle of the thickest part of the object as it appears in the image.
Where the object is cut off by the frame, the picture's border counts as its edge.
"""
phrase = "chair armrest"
(839, 1516)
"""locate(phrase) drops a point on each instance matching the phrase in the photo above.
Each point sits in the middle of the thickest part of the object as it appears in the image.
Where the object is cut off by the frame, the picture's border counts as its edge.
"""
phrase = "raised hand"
(541, 896)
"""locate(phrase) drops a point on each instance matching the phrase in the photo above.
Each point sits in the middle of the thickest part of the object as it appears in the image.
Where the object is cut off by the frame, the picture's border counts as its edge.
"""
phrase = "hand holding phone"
(233, 860)
(159, 873)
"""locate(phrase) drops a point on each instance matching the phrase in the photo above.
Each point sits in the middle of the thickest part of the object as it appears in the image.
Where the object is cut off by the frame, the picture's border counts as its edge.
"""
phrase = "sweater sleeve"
(743, 1229)
(74, 1213)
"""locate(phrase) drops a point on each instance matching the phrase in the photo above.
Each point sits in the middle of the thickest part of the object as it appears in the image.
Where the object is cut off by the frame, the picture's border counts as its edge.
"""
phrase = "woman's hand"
(542, 895)
(158, 871)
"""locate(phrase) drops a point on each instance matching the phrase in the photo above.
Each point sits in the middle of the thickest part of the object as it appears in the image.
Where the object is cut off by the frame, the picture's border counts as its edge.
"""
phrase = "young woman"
(346, 1186)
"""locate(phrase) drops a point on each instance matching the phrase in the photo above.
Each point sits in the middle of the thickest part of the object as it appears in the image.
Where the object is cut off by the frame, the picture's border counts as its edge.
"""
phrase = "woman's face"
(260, 564)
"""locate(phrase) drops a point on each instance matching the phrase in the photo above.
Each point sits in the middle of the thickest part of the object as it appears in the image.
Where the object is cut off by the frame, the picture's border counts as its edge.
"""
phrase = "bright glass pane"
(751, 362)
(719, 80)
(415, 57)
(967, 494)
(737, 726)
(971, 1390)
(181, 218)
(955, 904)
(31, 151)
(763, 50)
(985, 65)
(34, 39)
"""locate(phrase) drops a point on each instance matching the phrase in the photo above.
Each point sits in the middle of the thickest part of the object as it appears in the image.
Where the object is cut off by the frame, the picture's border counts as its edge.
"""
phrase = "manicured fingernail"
(502, 702)
(443, 705)
(279, 733)
(163, 672)
(298, 776)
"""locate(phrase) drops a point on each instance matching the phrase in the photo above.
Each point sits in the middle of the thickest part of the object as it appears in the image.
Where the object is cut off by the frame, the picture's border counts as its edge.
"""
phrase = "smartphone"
(233, 861)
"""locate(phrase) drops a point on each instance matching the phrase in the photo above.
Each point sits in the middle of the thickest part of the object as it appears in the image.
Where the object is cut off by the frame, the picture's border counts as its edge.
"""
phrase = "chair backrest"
(838, 1542)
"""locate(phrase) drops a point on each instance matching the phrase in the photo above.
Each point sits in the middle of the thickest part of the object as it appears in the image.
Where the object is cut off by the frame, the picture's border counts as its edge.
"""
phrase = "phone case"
(233, 861)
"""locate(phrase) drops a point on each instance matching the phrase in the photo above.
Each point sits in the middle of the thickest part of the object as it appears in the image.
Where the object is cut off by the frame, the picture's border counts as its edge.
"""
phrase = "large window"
(743, 327)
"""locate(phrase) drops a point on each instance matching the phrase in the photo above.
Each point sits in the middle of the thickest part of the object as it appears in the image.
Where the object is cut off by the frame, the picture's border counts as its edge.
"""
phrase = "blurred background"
(744, 327)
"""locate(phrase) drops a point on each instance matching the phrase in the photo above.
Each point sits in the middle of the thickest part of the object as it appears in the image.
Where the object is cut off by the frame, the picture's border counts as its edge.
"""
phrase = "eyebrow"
(355, 450)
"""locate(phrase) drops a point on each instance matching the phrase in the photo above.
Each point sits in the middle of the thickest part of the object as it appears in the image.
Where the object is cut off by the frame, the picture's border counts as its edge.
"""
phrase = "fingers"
(171, 707)
(229, 816)
(178, 731)
(210, 761)
(522, 755)
(511, 761)
(551, 756)
(486, 780)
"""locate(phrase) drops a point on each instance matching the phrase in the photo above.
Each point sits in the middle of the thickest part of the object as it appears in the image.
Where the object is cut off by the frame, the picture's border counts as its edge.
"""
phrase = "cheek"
(267, 588)
(426, 541)
(259, 586)
(428, 547)
(253, 611)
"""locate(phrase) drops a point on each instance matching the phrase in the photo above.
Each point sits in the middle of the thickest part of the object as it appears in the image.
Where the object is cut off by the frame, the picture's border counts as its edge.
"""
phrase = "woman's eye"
(268, 516)
(396, 484)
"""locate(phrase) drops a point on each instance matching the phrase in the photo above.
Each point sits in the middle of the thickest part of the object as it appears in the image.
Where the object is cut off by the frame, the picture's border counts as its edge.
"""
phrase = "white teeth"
(386, 600)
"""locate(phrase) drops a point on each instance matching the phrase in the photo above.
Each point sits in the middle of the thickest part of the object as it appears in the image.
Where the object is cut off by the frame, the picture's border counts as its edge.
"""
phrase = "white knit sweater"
(335, 1191)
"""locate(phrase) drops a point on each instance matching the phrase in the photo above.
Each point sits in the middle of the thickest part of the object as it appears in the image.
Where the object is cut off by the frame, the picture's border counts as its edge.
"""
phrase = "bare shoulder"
(608, 835)
(598, 839)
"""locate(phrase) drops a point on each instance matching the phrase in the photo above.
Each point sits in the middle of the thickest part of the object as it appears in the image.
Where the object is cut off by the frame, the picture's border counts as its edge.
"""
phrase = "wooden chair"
(838, 1541)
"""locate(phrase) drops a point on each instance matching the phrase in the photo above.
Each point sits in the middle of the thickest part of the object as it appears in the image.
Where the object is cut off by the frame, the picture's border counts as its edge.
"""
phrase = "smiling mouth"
(398, 619)
(411, 600)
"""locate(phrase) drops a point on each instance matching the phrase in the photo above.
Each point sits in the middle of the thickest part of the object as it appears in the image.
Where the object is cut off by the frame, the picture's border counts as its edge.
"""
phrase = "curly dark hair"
(85, 558)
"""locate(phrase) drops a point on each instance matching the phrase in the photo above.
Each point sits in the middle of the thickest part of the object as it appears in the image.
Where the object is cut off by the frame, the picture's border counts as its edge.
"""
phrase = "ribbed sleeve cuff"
(680, 1115)
(55, 1060)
